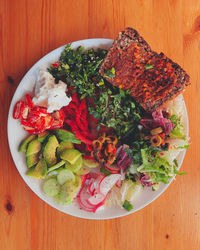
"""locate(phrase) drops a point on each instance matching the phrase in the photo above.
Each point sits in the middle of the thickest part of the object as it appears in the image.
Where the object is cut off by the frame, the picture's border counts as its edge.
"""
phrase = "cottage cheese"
(49, 94)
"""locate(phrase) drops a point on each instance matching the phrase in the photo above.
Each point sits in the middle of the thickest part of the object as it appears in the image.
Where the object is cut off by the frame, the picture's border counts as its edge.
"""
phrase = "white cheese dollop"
(49, 94)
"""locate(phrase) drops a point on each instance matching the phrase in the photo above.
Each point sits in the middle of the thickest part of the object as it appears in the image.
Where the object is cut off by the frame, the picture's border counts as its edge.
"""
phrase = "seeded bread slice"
(151, 78)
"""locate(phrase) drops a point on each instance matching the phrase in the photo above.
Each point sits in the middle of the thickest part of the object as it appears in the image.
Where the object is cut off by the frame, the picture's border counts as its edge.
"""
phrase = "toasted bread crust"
(131, 55)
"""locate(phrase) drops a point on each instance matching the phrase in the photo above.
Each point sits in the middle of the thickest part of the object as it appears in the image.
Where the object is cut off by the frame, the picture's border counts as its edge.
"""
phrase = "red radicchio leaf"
(158, 120)
(123, 159)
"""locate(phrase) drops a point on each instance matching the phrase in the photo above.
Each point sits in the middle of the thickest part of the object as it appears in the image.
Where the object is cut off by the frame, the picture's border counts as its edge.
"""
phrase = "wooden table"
(29, 30)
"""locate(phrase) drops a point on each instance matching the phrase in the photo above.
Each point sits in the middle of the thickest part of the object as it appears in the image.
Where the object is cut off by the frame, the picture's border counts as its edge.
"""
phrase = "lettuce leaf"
(157, 167)
(177, 131)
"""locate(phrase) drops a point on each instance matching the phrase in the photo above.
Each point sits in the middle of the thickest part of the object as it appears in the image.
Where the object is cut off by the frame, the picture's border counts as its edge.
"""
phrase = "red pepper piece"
(79, 134)
(89, 147)
(56, 124)
(72, 105)
(17, 111)
(79, 118)
(48, 121)
(29, 101)
(58, 119)
(25, 111)
(75, 99)
(55, 65)
(39, 110)
(84, 123)
(82, 137)
(40, 123)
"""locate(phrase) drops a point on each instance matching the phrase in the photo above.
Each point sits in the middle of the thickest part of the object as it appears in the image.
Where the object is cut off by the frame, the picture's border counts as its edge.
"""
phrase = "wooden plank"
(29, 30)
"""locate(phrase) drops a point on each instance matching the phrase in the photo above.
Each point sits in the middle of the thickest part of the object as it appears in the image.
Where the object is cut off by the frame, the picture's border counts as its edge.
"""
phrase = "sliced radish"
(82, 197)
(91, 188)
(96, 199)
(118, 183)
(108, 182)
(98, 206)
(112, 168)
(85, 177)
(92, 175)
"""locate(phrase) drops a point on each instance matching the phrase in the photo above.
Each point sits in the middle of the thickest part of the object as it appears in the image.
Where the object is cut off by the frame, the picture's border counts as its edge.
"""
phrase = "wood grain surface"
(31, 28)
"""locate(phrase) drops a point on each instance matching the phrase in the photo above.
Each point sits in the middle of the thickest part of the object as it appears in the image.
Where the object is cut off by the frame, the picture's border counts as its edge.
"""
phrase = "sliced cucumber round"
(64, 198)
(76, 166)
(51, 187)
(65, 175)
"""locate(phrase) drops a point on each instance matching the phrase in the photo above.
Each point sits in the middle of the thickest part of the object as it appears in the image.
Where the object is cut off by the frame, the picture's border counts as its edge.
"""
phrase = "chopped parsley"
(148, 66)
(110, 73)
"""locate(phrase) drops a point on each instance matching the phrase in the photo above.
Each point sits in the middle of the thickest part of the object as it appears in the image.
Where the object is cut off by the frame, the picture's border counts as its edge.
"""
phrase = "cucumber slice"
(64, 198)
(24, 143)
(76, 166)
(77, 183)
(90, 163)
(65, 176)
(51, 187)
(68, 191)
(71, 155)
(58, 165)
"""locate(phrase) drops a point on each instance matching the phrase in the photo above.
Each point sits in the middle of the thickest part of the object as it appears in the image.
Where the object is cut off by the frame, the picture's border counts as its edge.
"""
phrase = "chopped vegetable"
(127, 205)
(148, 66)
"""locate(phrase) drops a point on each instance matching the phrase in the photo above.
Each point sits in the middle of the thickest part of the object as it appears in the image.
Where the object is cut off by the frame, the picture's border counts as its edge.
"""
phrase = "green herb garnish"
(127, 205)
(79, 68)
(105, 171)
(110, 73)
(148, 66)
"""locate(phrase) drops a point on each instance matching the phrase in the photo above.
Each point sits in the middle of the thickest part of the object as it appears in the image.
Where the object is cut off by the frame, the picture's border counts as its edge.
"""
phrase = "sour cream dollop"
(50, 94)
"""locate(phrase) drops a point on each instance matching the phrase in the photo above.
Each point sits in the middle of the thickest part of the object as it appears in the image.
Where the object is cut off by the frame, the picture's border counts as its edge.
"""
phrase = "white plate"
(16, 134)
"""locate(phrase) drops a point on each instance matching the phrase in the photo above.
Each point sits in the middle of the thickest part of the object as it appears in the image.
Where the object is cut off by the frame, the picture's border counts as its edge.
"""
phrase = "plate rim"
(43, 198)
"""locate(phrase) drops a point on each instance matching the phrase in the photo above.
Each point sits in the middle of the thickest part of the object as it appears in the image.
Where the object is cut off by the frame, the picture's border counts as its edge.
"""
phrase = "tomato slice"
(17, 111)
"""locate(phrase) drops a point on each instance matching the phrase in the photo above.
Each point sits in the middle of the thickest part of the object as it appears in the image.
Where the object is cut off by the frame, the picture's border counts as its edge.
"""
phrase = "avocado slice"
(31, 160)
(71, 155)
(42, 136)
(49, 151)
(58, 165)
(39, 171)
(33, 147)
(24, 143)
(63, 146)
(65, 135)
